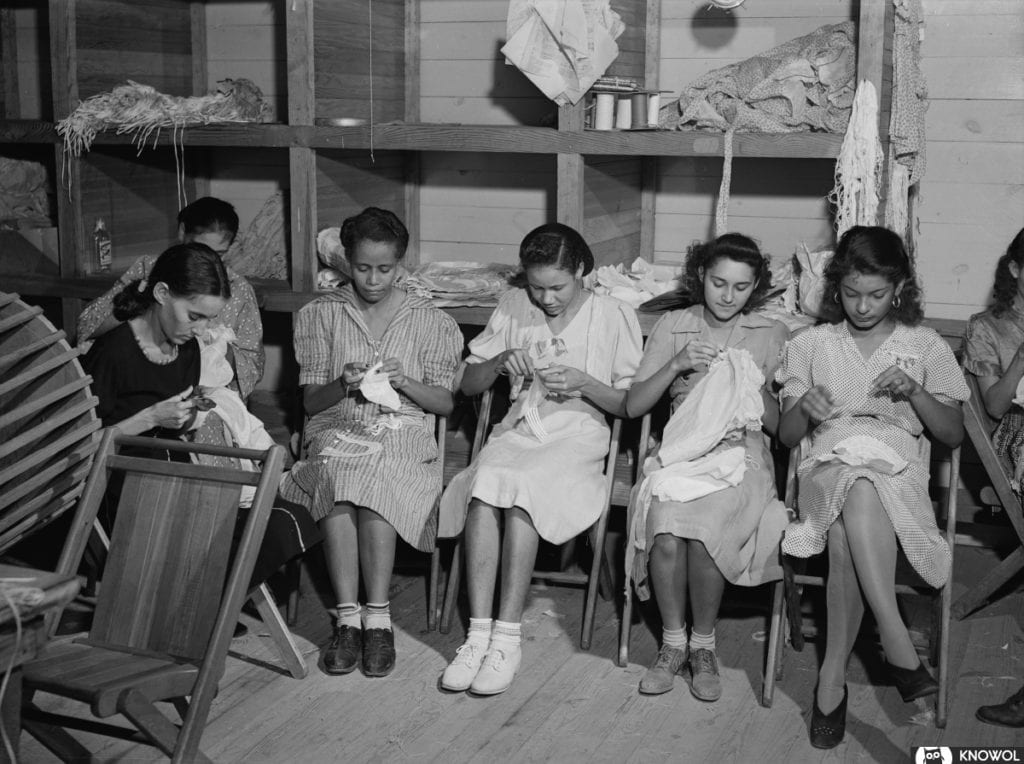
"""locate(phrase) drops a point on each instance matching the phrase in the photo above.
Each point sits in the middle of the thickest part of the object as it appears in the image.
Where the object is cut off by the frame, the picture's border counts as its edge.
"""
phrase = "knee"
(861, 494)
(665, 547)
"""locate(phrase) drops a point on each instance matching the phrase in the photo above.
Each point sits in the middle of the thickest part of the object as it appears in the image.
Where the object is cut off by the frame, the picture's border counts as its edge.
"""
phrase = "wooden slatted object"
(49, 431)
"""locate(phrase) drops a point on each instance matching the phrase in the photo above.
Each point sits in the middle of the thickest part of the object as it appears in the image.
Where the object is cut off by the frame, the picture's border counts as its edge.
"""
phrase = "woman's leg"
(706, 585)
(483, 549)
(845, 607)
(873, 547)
(341, 549)
(518, 556)
(377, 541)
(667, 567)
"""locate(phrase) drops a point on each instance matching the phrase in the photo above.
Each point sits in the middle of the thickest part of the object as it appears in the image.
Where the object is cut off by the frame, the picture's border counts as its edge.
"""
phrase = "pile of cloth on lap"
(461, 284)
(804, 84)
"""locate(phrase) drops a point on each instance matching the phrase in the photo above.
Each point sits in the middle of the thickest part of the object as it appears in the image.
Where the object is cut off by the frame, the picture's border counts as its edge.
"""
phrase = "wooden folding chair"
(172, 589)
(979, 428)
(933, 641)
(626, 623)
(599, 575)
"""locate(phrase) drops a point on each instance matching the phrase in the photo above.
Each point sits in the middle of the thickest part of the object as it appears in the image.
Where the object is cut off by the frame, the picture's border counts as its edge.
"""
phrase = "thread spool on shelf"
(624, 111)
(604, 117)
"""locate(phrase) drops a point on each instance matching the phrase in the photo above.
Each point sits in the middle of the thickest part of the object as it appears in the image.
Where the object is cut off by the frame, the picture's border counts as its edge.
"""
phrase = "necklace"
(154, 354)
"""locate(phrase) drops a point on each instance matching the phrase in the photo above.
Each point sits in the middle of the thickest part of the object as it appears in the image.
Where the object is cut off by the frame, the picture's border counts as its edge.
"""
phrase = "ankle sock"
(702, 641)
(377, 615)
(347, 614)
(508, 634)
(480, 631)
(674, 637)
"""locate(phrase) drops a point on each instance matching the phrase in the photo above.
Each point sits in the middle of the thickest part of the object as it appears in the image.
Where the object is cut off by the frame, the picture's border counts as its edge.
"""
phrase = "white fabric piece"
(865, 451)
(727, 399)
(812, 279)
(543, 355)
(685, 481)
(214, 369)
(376, 387)
(1018, 396)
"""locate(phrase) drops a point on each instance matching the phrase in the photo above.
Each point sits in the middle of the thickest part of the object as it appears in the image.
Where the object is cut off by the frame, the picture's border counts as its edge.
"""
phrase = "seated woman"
(694, 546)
(212, 222)
(374, 362)
(541, 470)
(994, 354)
(865, 388)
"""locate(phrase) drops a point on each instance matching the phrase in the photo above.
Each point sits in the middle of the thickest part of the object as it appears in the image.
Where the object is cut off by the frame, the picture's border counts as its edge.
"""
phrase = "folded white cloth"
(376, 387)
(865, 451)
(685, 481)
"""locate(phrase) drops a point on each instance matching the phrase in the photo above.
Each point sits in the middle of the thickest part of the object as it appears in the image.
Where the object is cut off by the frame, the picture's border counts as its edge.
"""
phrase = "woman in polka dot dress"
(864, 389)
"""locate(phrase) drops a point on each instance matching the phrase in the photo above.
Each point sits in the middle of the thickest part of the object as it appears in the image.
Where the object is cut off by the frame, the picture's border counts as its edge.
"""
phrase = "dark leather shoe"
(378, 652)
(1009, 713)
(913, 683)
(827, 730)
(343, 653)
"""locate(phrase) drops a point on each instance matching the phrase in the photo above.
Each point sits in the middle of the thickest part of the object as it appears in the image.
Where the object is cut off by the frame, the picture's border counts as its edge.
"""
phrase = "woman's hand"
(174, 412)
(564, 380)
(515, 362)
(817, 403)
(694, 355)
(352, 374)
(396, 375)
(896, 381)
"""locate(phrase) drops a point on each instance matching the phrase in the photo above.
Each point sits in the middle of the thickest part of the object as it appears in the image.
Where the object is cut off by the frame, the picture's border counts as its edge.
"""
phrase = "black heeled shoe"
(913, 683)
(828, 730)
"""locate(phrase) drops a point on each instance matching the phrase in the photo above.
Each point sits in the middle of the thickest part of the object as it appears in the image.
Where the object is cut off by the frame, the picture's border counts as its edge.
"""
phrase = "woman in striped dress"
(864, 388)
(371, 471)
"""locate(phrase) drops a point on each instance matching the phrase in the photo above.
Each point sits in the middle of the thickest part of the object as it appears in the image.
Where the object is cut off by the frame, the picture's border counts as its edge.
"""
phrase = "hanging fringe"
(859, 166)
(722, 206)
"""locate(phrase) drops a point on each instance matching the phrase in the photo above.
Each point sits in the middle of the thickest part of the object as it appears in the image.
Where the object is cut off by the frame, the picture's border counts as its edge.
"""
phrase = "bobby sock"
(507, 634)
(674, 637)
(479, 631)
(347, 614)
(702, 641)
(377, 615)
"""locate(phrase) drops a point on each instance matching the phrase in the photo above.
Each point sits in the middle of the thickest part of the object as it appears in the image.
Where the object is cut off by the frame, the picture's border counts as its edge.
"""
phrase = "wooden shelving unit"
(605, 180)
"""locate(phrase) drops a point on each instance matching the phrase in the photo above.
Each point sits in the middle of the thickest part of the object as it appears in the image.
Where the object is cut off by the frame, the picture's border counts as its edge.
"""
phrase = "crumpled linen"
(865, 451)
(562, 46)
(376, 387)
(804, 84)
(455, 283)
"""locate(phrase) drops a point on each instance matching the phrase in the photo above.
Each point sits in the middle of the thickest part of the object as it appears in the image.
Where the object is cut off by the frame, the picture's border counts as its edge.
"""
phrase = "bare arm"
(998, 393)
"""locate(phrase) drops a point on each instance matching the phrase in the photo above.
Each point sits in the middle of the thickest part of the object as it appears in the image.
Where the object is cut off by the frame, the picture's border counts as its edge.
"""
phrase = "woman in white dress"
(573, 354)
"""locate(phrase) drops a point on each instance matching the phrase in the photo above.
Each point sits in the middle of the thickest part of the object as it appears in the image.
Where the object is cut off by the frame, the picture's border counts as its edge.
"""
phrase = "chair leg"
(792, 593)
(141, 712)
(626, 625)
(293, 573)
(451, 595)
(974, 598)
(596, 566)
(290, 654)
(58, 741)
(435, 575)
(772, 661)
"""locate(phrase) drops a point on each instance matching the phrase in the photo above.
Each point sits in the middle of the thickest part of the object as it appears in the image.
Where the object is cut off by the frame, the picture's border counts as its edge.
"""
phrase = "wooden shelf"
(485, 138)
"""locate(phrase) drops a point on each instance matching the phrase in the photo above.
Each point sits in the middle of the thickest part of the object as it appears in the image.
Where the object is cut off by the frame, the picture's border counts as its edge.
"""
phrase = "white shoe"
(461, 671)
(498, 669)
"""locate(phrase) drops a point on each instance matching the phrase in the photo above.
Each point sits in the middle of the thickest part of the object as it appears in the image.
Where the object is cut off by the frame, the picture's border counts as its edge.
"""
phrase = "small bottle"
(101, 243)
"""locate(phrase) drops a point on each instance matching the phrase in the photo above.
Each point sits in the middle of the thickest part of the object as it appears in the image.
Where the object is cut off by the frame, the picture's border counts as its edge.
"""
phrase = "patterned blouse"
(990, 343)
(241, 313)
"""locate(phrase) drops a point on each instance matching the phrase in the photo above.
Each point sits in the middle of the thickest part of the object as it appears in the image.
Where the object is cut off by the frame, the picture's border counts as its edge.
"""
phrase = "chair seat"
(99, 676)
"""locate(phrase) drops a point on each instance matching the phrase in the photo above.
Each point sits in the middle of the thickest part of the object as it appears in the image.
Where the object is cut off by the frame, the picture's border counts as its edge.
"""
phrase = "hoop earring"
(835, 297)
(896, 302)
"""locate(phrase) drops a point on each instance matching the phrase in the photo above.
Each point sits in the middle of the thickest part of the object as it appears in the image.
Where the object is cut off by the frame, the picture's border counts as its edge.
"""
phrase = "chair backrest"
(48, 424)
(979, 426)
(173, 582)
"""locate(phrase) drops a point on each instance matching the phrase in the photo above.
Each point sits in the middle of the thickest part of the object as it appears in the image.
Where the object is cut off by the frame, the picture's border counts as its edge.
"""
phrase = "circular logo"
(933, 755)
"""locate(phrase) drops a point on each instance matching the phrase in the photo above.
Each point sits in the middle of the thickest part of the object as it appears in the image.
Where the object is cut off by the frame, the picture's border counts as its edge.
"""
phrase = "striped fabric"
(401, 481)
(826, 355)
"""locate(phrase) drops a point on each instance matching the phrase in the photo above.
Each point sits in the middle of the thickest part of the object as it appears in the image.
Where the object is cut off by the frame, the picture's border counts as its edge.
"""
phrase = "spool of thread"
(639, 110)
(604, 117)
(624, 112)
(653, 109)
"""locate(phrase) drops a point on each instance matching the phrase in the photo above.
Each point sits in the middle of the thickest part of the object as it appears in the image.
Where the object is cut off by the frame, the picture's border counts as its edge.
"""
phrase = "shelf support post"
(301, 160)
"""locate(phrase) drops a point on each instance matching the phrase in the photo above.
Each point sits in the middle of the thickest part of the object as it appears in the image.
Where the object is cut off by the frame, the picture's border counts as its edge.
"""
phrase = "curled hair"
(556, 245)
(188, 270)
(730, 246)
(207, 215)
(374, 224)
(1004, 290)
(873, 251)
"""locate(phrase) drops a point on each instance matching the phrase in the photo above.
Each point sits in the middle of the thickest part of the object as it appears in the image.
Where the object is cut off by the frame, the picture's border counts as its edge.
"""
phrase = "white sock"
(347, 614)
(479, 631)
(377, 616)
(702, 641)
(507, 634)
(674, 637)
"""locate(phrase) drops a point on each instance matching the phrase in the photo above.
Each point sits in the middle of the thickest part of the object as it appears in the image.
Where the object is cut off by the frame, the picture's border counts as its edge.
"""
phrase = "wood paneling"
(349, 182)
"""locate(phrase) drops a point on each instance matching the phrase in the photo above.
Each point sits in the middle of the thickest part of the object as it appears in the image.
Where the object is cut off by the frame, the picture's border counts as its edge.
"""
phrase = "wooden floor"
(569, 705)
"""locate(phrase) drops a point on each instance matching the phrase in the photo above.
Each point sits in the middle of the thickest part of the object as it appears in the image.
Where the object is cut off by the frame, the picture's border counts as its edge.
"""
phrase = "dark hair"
(374, 224)
(187, 270)
(209, 214)
(558, 245)
(730, 246)
(874, 251)
(1004, 290)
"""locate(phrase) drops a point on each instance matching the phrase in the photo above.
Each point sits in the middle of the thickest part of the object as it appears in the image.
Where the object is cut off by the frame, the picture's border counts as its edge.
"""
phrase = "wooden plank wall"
(343, 31)
(971, 198)
(348, 182)
(778, 202)
(31, 32)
